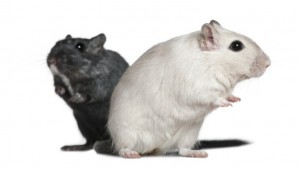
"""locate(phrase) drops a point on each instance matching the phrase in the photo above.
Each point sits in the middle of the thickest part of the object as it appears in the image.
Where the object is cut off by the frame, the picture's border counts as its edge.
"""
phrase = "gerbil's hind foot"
(78, 98)
(84, 147)
(127, 153)
(192, 153)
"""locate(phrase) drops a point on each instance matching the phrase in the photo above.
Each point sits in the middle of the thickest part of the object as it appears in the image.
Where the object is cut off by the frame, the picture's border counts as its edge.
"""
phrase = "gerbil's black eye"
(80, 47)
(236, 46)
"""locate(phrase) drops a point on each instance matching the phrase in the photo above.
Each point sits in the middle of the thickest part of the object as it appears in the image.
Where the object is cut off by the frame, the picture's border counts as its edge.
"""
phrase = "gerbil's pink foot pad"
(233, 99)
(127, 153)
(193, 153)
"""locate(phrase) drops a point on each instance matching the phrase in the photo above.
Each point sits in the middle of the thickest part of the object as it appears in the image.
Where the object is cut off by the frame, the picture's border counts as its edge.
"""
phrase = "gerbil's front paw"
(233, 99)
(221, 102)
(60, 90)
(78, 98)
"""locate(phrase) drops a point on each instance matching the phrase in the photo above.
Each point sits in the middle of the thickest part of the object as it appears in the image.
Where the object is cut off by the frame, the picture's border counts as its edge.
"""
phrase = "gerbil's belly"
(157, 131)
(167, 138)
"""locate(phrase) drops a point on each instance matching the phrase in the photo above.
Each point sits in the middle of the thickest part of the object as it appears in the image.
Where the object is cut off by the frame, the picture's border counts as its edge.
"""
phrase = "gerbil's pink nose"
(268, 64)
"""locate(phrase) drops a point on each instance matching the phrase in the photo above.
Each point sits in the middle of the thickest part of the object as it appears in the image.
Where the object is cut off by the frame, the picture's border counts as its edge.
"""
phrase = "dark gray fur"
(93, 72)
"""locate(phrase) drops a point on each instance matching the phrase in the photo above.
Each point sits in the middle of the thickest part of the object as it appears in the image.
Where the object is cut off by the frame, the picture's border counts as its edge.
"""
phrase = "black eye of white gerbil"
(80, 46)
(236, 46)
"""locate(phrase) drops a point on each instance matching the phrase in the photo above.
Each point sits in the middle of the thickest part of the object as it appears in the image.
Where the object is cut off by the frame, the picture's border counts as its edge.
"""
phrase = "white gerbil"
(161, 101)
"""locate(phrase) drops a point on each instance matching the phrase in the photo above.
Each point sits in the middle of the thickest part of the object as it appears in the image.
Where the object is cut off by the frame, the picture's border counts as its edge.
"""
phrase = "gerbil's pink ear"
(208, 37)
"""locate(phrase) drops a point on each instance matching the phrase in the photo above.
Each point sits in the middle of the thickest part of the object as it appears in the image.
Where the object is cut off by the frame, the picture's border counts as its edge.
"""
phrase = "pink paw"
(193, 153)
(198, 154)
(221, 102)
(233, 99)
(127, 153)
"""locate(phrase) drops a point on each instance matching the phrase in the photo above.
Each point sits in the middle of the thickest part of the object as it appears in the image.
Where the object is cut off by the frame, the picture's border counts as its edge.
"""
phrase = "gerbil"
(161, 101)
(85, 75)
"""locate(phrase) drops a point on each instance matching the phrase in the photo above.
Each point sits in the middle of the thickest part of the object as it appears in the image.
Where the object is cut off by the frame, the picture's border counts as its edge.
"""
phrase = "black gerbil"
(85, 75)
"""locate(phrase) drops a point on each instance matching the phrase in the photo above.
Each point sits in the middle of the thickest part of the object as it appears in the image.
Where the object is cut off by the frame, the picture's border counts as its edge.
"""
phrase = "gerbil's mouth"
(259, 72)
(51, 62)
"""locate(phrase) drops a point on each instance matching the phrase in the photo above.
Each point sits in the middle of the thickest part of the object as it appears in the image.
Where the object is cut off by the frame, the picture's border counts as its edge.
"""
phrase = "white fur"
(162, 99)
(64, 78)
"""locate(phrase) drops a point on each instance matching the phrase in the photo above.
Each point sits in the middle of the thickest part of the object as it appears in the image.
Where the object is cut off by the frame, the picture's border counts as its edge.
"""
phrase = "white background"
(35, 123)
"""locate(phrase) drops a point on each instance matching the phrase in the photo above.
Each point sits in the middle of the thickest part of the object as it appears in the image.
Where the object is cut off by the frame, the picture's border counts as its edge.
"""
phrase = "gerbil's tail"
(205, 144)
(105, 147)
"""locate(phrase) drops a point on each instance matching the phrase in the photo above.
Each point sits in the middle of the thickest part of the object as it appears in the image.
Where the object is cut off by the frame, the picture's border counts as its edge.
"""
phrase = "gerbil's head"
(76, 56)
(235, 54)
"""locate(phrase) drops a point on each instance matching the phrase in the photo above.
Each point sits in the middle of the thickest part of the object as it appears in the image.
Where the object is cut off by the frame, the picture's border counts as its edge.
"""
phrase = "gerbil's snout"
(268, 64)
(57, 57)
(259, 66)
(267, 61)
(51, 61)
(263, 61)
